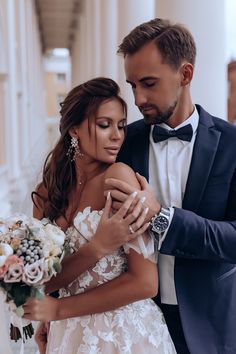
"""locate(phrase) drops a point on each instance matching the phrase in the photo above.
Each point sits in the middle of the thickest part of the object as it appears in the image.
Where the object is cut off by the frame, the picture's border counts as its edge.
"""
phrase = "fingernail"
(108, 195)
(142, 200)
(146, 210)
(133, 195)
(137, 173)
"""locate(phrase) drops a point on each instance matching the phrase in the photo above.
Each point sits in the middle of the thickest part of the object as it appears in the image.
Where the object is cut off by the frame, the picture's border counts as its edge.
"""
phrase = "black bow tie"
(160, 134)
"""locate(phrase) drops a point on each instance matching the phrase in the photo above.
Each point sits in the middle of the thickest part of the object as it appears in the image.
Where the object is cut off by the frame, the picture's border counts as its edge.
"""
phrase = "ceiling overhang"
(58, 21)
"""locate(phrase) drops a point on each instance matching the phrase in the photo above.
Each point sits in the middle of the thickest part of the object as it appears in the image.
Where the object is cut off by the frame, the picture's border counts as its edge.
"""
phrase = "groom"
(189, 158)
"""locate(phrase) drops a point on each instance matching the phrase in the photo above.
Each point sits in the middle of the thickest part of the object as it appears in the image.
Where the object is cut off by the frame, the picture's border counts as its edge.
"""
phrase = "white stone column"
(23, 94)
(83, 53)
(101, 26)
(2, 119)
(206, 21)
(12, 124)
(108, 38)
(131, 13)
(94, 49)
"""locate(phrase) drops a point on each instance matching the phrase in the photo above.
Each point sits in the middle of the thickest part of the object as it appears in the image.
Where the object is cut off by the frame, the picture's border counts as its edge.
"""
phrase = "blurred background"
(49, 46)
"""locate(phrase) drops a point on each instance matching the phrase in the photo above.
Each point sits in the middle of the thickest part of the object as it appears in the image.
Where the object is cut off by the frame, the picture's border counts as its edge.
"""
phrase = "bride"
(104, 305)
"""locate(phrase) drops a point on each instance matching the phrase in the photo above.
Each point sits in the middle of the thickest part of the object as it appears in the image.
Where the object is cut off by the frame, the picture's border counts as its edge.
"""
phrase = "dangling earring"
(74, 149)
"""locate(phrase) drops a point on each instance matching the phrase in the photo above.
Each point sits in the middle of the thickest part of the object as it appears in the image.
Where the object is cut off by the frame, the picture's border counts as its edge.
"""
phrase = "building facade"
(22, 102)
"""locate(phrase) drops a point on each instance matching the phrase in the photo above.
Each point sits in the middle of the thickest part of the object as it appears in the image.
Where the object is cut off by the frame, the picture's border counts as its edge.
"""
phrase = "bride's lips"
(112, 150)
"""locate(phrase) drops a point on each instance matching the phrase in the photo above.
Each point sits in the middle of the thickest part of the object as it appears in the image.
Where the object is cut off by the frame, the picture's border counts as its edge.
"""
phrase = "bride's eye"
(103, 125)
(122, 125)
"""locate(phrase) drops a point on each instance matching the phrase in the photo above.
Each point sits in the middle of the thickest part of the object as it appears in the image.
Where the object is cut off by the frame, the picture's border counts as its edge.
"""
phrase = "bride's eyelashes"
(120, 126)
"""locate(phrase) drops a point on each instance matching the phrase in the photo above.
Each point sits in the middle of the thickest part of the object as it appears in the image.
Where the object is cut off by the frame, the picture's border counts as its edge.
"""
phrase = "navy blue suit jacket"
(202, 235)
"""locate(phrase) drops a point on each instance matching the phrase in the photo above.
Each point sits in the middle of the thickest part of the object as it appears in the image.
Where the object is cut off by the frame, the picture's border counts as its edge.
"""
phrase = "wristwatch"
(160, 221)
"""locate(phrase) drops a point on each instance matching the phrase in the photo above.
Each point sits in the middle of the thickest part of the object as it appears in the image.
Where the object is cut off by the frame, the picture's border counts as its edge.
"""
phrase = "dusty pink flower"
(3, 271)
(9, 261)
(14, 273)
(34, 273)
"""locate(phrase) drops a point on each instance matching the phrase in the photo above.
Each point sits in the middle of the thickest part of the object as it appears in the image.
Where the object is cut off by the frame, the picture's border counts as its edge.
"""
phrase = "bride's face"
(102, 135)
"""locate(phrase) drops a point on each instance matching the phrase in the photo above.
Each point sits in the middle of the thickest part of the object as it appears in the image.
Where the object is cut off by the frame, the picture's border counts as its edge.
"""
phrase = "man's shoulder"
(136, 127)
(227, 129)
(215, 122)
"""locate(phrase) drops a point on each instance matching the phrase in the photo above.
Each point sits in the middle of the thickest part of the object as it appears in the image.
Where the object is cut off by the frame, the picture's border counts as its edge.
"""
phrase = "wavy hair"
(174, 41)
(59, 173)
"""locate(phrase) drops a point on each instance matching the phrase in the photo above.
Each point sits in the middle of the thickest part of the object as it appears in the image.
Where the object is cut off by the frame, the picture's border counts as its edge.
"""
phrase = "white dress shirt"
(169, 163)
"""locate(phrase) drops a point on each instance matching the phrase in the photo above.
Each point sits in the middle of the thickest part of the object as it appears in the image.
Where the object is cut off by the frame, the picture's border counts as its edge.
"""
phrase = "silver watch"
(160, 221)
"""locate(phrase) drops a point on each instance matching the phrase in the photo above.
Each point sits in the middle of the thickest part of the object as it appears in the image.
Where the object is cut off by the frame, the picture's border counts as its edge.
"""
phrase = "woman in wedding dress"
(104, 305)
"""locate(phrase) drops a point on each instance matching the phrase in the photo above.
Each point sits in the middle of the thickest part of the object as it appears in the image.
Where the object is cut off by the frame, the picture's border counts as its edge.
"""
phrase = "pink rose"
(34, 273)
(14, 273)
(3, 271)
(9, 261)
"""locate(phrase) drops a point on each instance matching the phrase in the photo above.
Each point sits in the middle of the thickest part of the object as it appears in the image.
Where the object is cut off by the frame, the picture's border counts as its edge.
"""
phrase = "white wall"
(206, 21)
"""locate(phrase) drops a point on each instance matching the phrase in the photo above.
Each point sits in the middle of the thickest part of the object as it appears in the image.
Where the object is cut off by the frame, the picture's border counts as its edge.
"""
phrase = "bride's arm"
(139, 282)
(112, 232)
(101, 244)
(110, 235)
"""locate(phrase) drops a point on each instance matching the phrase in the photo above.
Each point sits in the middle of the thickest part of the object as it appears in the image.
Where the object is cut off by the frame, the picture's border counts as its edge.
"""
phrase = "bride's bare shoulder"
(121, 171)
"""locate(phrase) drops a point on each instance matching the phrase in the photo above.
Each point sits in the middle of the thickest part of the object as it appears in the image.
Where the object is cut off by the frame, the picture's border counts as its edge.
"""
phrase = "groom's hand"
(120, 191)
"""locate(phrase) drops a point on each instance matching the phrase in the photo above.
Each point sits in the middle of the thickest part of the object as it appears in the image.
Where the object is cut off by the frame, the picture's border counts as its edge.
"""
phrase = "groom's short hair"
(175, 43)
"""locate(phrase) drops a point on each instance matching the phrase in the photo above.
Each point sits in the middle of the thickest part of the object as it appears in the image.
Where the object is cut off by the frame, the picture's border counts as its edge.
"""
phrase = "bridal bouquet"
(30, 254)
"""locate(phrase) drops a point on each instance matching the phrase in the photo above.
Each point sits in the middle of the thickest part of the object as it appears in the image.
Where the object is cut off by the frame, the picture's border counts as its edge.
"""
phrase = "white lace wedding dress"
(137, 328)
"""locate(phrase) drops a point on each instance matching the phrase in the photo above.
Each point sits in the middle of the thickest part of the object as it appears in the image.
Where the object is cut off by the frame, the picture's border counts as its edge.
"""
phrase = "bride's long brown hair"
(59, 174)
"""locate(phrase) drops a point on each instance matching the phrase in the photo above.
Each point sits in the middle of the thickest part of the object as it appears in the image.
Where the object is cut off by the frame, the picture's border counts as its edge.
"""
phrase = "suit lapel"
(140, 150)
(204, 152)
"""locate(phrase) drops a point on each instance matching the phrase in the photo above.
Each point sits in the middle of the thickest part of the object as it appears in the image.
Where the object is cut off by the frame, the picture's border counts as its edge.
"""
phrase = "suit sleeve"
(193, 236)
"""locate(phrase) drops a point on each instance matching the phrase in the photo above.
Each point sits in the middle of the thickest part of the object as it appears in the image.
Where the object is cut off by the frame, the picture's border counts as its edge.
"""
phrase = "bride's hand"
(45, 309)
(120, 228)
(41, 336)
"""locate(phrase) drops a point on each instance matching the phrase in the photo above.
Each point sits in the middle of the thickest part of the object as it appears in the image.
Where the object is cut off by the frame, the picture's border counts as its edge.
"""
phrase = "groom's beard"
(158, 117)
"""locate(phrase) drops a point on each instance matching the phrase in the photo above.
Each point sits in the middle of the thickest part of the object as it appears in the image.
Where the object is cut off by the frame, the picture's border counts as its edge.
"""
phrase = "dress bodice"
(107, 268)
(138, 327)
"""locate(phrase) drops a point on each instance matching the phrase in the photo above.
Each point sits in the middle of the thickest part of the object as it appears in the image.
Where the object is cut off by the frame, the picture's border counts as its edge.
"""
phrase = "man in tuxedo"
(189, 158)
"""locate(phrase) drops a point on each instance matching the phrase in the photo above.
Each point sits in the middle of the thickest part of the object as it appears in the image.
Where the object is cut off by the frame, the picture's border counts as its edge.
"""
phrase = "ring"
(131, 229)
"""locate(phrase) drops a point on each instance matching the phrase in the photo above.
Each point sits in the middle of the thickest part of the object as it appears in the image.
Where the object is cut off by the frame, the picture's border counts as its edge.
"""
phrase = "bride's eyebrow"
(102, 117)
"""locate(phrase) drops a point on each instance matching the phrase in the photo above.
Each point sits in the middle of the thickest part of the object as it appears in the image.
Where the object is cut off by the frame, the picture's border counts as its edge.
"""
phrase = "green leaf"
(19, 311)
(38, 293)
(57, 266)
(19, 293)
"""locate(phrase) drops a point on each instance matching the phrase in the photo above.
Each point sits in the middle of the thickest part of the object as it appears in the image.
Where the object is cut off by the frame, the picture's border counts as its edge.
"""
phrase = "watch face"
(160, 223)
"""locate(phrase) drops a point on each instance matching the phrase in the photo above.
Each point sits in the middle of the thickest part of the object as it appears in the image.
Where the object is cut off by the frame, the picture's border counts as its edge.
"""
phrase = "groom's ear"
(186, 73)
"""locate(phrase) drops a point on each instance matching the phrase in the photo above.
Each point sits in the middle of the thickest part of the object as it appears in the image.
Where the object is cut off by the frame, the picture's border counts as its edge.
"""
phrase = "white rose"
(3, 227)
(34, 273)
(5, 251)
(11, 220)
(50, 249)
(55, 234)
